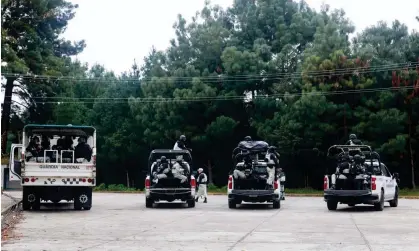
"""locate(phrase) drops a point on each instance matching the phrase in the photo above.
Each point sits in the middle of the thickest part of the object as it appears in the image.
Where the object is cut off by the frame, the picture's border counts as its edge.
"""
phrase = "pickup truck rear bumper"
(253, 195)
(170, 194)
(351, 196)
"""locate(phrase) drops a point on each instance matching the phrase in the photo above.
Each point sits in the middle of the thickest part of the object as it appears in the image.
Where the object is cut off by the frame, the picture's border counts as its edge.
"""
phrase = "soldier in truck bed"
(83, 150)
(353, 140)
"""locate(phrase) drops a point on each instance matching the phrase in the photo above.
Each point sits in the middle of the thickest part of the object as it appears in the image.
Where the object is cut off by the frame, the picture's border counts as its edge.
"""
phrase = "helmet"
(163, 159)
(358, 159)
(36, 139)
(248, 138)
(182, 138)
(352, 136)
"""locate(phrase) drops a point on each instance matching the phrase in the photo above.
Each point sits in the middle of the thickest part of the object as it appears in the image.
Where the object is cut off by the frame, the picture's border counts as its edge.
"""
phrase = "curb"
(12, 206)
(413, 197)
(6, 212)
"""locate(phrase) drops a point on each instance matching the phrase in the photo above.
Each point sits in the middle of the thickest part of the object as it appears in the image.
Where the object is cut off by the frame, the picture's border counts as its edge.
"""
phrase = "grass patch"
(409, 192)
(114, 188)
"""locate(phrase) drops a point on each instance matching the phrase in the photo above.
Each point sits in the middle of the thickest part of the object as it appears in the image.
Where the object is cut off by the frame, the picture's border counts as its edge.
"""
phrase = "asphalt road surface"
(121, 222)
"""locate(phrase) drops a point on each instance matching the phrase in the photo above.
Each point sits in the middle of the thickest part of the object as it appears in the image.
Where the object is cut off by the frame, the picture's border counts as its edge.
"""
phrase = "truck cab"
(57, 162)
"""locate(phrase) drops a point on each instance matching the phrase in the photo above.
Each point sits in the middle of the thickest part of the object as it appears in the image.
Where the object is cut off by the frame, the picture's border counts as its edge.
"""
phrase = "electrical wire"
(223, 98)
(233, 78)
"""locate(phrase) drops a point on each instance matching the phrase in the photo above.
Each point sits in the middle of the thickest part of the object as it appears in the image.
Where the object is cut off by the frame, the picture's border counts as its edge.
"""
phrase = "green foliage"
(310, 87)
(114, 188)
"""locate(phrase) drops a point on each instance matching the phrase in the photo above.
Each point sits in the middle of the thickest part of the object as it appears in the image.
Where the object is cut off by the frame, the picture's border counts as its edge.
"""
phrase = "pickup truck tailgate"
(345, 193)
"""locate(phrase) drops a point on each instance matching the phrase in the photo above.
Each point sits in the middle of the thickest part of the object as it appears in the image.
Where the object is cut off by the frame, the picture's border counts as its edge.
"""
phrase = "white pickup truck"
(54, 163)
(373, 185)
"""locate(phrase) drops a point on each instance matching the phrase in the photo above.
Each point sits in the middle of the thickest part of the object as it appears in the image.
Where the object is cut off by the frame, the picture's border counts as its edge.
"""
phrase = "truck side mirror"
(395, 175)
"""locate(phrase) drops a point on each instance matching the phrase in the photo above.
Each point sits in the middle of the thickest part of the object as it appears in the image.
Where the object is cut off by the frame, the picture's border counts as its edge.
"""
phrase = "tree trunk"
(5, 116)
(127, 179)
(209, 173)
(412, 161)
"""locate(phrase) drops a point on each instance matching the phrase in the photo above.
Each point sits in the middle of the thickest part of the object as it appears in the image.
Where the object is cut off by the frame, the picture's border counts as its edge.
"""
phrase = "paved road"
(121, 222)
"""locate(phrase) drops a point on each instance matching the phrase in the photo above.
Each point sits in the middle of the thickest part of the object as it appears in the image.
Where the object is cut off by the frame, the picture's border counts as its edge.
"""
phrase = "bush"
(101, 187)
(114, 187)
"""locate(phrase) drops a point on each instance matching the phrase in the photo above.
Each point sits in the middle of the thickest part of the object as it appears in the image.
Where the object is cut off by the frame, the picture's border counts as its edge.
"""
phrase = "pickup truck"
(371, 183)
(51, 169)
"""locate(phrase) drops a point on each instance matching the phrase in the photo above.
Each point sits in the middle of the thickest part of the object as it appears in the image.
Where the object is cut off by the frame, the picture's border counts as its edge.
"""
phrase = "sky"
(118, 32)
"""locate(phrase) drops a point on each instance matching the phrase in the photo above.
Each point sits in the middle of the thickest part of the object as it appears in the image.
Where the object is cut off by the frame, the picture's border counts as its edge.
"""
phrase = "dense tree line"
(276, 70)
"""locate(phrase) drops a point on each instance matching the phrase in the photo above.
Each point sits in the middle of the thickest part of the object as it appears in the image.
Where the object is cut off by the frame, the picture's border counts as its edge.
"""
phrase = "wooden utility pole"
(5, 116)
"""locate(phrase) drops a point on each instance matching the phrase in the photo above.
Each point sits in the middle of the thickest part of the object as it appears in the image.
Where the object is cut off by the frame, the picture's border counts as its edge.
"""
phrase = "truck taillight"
(94, 159)
(22, 155)
(276, 185)
(147, 183)
(230, 182)
(26, 179)
(373, 184)
(193, 182)
(325, 183)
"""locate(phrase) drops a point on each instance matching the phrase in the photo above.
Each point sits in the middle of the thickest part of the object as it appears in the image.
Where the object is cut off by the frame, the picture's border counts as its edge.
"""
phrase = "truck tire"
(332, 205)
(148, 203)
(191, 203)
(276, 204)
(379, 206)
(30, 199)
(395, 201)
(83, 199)
(231, 204)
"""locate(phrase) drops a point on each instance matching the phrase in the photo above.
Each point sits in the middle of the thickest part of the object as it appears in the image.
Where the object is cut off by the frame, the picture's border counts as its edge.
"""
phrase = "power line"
(228, 97)
(234, 78)
(222, 98)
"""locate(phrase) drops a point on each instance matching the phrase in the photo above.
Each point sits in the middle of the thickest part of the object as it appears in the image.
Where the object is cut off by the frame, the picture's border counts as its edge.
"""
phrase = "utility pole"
(5, 116)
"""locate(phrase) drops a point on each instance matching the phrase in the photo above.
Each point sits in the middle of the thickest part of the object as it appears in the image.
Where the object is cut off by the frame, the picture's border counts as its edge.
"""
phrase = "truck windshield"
(58, 145)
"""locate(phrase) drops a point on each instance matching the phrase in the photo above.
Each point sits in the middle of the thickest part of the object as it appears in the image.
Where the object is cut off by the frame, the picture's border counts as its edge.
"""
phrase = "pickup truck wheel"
(332, 205)
(231, 204)
(379, 206)
(276, 204)
(191, 203)
(149, 203)
(83, 199)
(30, 199)
(395, 201)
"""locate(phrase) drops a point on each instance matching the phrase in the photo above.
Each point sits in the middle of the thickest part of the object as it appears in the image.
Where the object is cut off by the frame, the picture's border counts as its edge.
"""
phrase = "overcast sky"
(117, 32)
